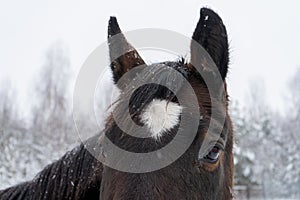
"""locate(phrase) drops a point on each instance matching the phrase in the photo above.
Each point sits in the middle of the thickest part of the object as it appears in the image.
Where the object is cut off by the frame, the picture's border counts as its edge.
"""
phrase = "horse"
(165, 115)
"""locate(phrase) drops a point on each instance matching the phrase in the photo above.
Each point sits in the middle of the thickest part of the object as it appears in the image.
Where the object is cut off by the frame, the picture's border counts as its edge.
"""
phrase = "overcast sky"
(264, 36)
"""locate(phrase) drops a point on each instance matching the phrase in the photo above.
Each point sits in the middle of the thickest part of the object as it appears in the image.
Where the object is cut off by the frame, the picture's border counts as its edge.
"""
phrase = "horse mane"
(77, 175)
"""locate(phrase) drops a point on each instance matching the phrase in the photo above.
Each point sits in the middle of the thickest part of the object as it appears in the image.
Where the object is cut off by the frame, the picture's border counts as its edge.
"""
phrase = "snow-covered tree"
(52, 125)
(27, 148)
(267, 144)
(14, 141)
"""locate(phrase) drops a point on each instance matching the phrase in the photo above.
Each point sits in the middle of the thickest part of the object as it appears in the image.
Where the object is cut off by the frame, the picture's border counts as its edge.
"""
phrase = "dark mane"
(77, 175)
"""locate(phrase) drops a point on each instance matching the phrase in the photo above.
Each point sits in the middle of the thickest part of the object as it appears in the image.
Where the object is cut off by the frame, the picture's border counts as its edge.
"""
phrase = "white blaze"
(161, 116)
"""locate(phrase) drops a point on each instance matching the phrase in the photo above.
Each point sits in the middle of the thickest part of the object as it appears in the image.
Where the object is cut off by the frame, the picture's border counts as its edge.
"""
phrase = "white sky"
(264, 36)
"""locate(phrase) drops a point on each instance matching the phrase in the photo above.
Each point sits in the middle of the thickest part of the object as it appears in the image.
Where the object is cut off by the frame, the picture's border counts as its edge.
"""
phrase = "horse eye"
(213, 155)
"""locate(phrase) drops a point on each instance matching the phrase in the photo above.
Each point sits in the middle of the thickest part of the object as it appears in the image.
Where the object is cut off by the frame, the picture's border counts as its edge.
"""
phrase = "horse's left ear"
(211, 34)
(123, 56)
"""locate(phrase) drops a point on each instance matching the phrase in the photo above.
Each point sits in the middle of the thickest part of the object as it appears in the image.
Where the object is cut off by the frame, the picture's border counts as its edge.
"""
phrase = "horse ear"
(123, 56)
(211, 34)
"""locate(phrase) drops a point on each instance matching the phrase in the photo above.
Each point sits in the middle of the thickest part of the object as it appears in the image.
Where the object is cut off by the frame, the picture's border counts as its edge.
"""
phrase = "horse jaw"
(161, 116)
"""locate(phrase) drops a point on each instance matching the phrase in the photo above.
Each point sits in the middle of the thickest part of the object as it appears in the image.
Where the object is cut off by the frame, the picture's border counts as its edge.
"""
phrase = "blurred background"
(44, 44)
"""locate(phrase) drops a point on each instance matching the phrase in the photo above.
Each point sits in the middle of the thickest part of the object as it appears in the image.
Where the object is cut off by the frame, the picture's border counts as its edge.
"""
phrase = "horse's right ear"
(211, 34)
(123, 56)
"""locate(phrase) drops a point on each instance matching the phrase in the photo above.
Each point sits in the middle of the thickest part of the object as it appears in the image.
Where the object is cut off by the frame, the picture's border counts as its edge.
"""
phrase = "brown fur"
(188, 177)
